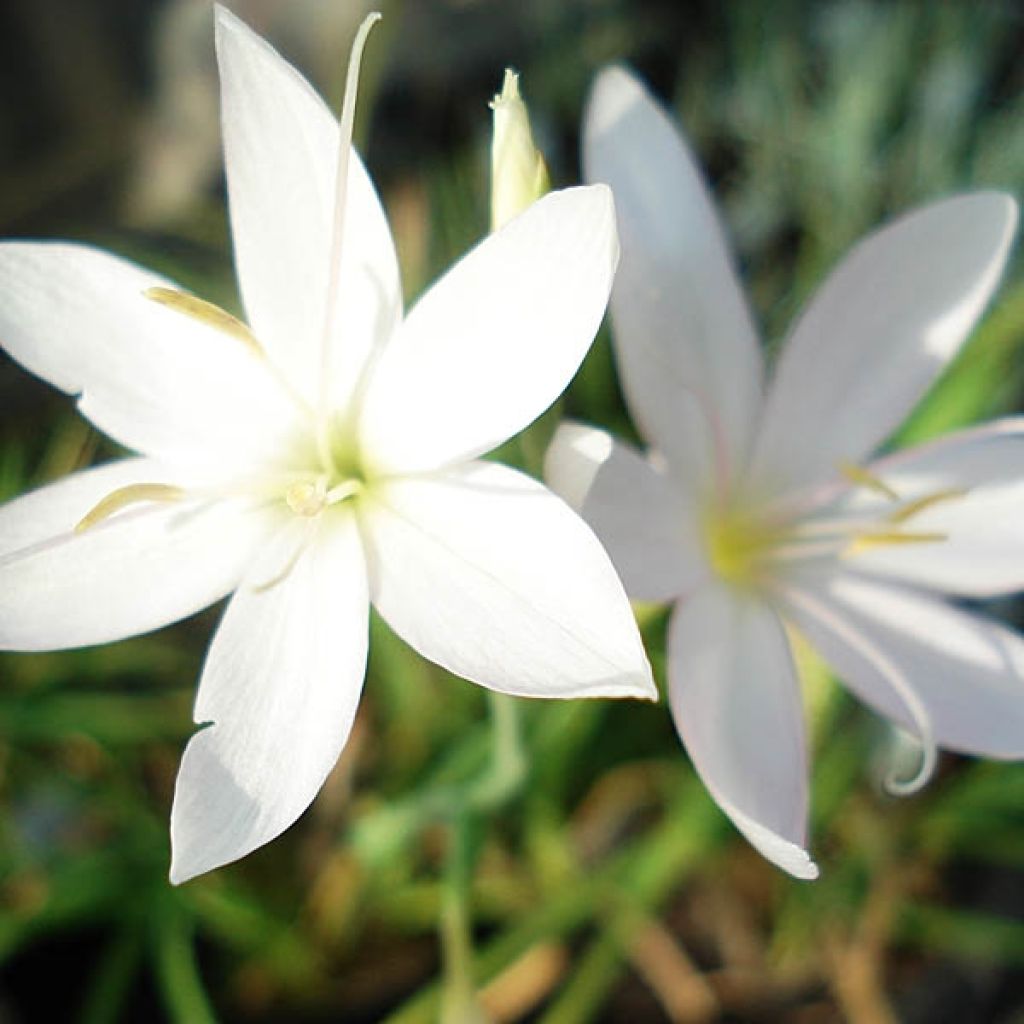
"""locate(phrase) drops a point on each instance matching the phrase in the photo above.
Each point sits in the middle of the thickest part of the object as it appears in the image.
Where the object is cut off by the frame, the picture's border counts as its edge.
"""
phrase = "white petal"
(967, 670)
(281, 685)
(140, 569)
(157, 381)
(883, 326)
(280, 153)
(982, 554)
(497, 339)
(736, 703)
(687, 348)
(650, 530)
(485, 572)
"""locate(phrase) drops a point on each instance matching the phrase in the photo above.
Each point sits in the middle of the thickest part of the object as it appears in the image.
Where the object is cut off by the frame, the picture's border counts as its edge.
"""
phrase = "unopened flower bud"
(519, 175)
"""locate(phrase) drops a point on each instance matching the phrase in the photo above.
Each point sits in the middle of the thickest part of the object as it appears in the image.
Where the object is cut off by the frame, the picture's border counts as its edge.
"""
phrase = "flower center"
(739, 543)
(747, 544)
(337, 474)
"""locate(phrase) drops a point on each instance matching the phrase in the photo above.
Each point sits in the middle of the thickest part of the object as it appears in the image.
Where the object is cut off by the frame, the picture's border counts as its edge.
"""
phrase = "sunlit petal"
(487, 573)
(280, 153)
(140, 569)
(496, 340)
(280, 685)
(159, 382)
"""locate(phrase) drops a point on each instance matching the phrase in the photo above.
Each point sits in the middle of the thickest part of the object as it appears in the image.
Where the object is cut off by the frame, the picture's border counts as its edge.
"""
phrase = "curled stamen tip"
(924, 774)
(356, 54)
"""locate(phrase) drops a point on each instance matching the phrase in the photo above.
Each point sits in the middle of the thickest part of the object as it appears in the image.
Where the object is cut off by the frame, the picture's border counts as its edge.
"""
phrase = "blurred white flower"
(755, 509)
(324, 457)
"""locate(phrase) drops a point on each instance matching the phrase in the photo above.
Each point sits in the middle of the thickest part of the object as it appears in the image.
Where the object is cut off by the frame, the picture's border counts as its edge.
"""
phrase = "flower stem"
(458, 997)
(508, 763)
(507, 770)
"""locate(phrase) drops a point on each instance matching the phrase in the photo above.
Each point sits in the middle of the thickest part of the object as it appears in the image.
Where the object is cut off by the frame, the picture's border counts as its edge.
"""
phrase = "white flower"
(325, 459)
(754, 508)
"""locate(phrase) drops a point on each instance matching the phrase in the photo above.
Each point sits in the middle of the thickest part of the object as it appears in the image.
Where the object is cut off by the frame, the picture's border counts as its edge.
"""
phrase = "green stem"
(177, 972)
(508, 764)
(458, 995)
(464, 780)
(111, 980)
(643, 874)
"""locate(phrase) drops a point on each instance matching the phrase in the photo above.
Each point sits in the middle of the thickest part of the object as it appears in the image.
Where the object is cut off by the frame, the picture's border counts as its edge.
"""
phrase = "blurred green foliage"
(604, 884)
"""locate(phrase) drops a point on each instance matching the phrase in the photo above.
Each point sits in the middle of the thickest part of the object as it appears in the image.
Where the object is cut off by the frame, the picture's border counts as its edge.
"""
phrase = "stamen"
(346, 489)
(213, 316)
(918, 505)
(861, 477)
(124, 497)
(308, 498)
(345, 126)
(885, 538)
(206, 313)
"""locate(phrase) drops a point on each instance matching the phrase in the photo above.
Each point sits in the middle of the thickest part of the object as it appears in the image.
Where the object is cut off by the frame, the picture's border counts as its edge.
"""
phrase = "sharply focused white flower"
(325, 458)
(754, 508)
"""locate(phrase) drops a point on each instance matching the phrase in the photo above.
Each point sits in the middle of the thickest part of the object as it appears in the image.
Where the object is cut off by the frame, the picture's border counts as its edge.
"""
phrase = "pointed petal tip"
(224, 18)
(639, 686)
(225, 24)
(797, 862)
(1001, 206)
(630, 684)
(187, 864)
(177, 876)
(791, 857)
(615, 88)
(615, 80)
(994, 212)
(650, 692)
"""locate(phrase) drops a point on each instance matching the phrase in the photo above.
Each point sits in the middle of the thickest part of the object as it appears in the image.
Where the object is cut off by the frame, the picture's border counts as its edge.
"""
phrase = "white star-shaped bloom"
(754, 509)
(323, 457)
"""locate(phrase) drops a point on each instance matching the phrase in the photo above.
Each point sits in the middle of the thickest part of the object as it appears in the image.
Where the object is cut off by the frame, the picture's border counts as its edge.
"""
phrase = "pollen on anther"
(307, 498)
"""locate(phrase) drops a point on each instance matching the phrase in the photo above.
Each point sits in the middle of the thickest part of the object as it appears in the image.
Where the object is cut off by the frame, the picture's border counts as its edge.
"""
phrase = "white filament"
(890, 675)
(345, 127)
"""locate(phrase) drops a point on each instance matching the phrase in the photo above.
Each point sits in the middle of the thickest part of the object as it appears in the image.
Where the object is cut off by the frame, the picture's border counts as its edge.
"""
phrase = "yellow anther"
(918, 505)
(308, 497)
(891, 538)
(206, 313)
(861, 477)
(124, 497)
